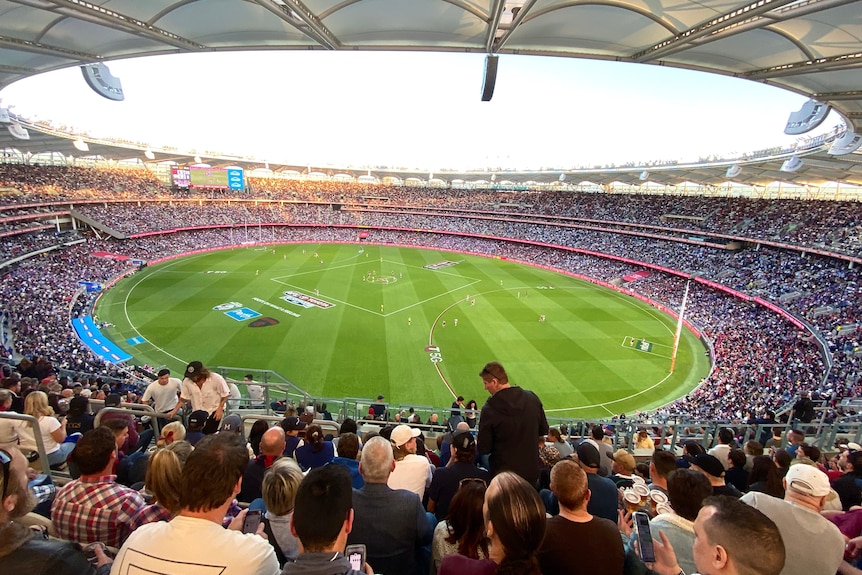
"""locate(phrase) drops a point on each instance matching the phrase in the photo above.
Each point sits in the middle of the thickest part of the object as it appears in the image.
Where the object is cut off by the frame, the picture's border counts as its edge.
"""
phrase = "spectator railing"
(37, 434)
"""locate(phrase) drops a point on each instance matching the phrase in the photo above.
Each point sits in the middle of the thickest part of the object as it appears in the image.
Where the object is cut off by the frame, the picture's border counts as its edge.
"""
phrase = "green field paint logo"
(263, 322)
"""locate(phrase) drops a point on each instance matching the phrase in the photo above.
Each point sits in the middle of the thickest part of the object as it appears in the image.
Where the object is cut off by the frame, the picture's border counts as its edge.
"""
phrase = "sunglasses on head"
(467, 480)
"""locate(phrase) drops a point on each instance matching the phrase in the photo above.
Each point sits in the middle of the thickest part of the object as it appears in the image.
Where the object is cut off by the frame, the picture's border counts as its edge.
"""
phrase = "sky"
(418, 110)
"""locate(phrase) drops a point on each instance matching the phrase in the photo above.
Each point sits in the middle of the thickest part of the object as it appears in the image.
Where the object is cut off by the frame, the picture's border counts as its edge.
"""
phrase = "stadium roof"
(811, 47)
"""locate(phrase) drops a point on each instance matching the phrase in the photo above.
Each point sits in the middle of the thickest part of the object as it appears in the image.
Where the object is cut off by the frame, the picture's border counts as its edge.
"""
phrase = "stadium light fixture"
(18, 131)
(644, 176)
(81, 145)
(809, 116)
(148, 154)
(733, 171)
(792, 164)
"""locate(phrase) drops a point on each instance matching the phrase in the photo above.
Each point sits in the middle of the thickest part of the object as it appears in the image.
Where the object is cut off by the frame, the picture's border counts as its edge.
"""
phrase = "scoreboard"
(204, 177)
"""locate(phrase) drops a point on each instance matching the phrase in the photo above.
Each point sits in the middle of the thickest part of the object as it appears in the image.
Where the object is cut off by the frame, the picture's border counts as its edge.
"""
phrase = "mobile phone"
(642, 532)
(89, 551)
(251, 522)
(356, 555)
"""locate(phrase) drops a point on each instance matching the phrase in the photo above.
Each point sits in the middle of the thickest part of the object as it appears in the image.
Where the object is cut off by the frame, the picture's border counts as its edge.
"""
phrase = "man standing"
(163, 392)
(714, 471)
(391, 523)
(576, 541)
(195, 541)
(722, 448)
(606, 451)
(95, 508)
(510, 424)
(803, 529)
(322, 520)
(205, 391)
(803, 409)
(24, 552)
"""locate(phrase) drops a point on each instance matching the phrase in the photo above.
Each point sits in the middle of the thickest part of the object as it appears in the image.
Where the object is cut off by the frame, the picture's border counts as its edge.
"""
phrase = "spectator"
(292, 425)
(322, 522)
(78, 418)
(800, 523)
(163, 393)
(576, 541)
(687, 489)
(316, 452)
(661, 464)
(255, 391)
(271, 448)
(20, 550)
(348, 456)
(280, 485)
(171, 432)
(623, 468)
(255, 434)
(714, 472)
(510, 424)
(164, 474)
(471, 413)
(736, 474)
(52, 431)
(94, 508)
(606, 451)
(644, 441)
(720, 451)
(515, 525)
(730, 538)
(463, 530)
(197, 421)
(412, 472)
(764, 478)
(447, 481)
(205, 391)
(803, 409)
(132, 440)
(195, 537)
(391, 523)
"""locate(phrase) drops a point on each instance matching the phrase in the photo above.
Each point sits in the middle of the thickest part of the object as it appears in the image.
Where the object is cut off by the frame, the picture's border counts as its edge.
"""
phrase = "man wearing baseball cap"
(813, 544)
(206, 391)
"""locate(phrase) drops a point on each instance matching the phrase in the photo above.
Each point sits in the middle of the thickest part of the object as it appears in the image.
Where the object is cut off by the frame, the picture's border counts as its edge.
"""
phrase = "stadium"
(677, 295)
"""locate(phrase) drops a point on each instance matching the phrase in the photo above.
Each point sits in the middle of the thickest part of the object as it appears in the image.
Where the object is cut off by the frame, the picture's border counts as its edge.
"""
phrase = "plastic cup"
(642, 492)
(656, 498)
(632, 501)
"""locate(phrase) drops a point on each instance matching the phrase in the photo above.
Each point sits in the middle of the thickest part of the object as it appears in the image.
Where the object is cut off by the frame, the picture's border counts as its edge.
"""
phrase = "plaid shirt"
(98, 509)
(150, 514)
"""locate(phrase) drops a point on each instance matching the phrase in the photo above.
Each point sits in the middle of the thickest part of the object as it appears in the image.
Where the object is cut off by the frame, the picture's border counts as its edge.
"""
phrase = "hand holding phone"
(251, 521)
(644, 537)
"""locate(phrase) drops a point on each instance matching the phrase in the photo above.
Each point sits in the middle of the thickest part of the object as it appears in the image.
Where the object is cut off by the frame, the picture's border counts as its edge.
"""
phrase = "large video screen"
(180, 177)
(230, 178)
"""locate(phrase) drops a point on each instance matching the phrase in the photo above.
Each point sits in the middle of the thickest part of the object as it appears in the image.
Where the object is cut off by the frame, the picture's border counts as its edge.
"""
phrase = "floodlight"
(733, 171)
(148, 154)
(18, 131)
(791, 164)
(846, 144)
(644, 176)
(810, 115)
(99, 78)
(81, 145)
(562, 177)
(5, 118)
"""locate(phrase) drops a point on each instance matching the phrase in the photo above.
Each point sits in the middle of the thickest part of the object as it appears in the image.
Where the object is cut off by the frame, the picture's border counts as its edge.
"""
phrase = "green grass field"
(385, 308)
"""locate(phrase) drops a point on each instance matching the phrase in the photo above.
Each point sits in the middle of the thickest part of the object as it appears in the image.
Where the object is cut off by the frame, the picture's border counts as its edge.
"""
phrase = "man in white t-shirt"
(255, 391)
(206, 391)
(195, 541)
(163, 392)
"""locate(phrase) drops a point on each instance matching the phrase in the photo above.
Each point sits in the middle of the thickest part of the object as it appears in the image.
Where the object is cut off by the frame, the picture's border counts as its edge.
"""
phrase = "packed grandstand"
(781, 320)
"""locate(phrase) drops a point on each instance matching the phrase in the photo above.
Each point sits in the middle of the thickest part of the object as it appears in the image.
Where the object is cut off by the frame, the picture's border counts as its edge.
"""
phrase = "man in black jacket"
(510, 424)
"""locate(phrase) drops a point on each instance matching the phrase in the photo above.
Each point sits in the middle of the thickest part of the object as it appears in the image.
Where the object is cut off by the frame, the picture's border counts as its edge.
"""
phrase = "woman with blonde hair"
(53, 432)
(515, 525)
(279, 487)
(163, 481)
(173, 431)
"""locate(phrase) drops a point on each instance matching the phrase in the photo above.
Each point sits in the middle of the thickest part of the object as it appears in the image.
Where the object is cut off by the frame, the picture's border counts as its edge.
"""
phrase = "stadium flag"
(679, 327)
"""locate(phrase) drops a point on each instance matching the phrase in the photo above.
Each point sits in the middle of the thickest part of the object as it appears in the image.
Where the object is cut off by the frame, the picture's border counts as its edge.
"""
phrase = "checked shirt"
(97, 509)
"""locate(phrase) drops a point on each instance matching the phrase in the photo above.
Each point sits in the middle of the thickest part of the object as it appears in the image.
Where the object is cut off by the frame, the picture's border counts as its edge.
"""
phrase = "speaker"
(490, 78)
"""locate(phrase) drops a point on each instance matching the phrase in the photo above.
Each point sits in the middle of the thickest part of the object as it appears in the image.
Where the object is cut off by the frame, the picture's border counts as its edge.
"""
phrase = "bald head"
(272, 442)
(462, 426)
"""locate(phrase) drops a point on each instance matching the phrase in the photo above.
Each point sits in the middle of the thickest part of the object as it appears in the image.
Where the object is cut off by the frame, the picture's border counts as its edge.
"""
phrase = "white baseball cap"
(402, 434)
(808, 479)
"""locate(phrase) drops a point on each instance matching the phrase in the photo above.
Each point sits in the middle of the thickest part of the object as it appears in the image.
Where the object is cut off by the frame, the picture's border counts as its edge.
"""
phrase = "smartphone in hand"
(356, 555)
(644, 537)
(251, 522)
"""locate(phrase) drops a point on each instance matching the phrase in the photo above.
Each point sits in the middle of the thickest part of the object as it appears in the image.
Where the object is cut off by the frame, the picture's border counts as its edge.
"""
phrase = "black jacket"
(510, 424)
